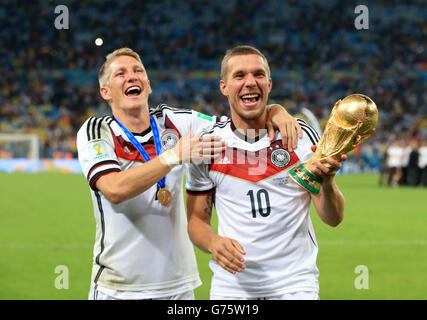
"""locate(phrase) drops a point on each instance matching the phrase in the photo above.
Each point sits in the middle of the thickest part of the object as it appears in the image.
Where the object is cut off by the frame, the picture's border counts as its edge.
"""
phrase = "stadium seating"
(49, 77)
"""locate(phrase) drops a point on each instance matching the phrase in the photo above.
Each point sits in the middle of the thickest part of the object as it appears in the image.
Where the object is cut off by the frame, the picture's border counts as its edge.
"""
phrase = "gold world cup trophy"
(352, 121)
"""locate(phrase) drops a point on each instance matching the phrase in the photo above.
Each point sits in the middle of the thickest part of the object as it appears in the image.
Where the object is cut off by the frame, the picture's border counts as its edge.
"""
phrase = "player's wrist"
(170, 158)
(328, 185)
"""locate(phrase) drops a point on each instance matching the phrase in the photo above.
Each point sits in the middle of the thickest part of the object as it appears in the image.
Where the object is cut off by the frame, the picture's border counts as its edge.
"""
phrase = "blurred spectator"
(383, 165)
(407, 149)
(422, 162)
(413, 171)
(394, 162)
(49, 77)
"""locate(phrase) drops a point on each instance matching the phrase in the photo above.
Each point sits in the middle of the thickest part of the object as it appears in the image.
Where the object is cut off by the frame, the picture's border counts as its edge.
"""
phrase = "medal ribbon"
(137, 145)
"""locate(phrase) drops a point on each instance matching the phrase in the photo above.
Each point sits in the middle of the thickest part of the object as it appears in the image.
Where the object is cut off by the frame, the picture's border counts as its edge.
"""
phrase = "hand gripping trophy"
(352, 121)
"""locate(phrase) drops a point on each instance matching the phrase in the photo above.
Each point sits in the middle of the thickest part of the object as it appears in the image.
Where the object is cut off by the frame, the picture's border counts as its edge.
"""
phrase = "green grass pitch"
(46, 220)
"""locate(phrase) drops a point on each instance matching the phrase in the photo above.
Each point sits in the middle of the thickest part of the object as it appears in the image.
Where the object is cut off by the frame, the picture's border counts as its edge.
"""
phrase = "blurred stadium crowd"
(317, 56)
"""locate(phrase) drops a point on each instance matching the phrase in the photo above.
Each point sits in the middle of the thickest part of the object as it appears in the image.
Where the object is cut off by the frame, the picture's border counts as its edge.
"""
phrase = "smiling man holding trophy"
(352, 121)
(265, 246)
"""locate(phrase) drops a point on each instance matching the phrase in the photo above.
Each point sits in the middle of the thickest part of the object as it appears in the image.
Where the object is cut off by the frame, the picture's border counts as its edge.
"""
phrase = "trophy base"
(305, 179)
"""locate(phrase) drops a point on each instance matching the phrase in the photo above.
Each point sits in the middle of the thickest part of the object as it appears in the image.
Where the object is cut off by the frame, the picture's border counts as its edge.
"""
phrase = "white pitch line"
(373, 243)
(45, 245)
(321, 243)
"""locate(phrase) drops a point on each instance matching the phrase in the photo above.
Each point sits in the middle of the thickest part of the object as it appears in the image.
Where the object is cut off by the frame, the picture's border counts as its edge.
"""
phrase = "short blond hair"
(104, 74)
(239, 51)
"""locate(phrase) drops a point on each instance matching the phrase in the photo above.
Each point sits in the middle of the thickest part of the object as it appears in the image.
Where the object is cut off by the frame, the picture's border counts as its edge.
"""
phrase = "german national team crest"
(280, 158)
(169, 140)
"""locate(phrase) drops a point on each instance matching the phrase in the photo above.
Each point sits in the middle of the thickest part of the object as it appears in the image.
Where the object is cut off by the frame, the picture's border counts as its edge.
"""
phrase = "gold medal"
(164, 196)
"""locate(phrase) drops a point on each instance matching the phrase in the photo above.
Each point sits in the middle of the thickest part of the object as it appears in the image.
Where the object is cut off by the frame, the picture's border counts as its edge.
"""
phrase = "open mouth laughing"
(133, 91)
(250, 99)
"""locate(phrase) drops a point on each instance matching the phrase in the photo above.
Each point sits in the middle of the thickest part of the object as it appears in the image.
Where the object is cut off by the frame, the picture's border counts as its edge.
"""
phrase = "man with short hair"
(132, 161)
(265, 247)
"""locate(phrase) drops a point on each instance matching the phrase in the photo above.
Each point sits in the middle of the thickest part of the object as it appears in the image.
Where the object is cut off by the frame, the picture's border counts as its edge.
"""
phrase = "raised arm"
(329, 202)
(120, 186)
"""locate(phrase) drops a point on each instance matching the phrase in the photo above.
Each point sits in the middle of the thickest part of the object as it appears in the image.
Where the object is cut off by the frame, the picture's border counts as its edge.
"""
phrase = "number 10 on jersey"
(261, 204)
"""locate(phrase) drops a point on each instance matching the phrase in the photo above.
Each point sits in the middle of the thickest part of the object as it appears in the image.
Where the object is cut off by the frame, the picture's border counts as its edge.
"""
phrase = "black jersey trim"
(245, 137)
(314, 242)
(99, 127)
(89, 124)
(93, 129)
(96, 176)
(109, 119)
(143, 133)
(97, 259)
(94, 125)
(101, 163)
(158, 111)
(219, 124)
(200, 193)
(313, 141)
(313, 134)
(312, 130)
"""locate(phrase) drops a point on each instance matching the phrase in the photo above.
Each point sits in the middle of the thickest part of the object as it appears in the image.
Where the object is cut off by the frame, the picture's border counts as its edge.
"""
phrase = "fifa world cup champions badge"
(352, 121)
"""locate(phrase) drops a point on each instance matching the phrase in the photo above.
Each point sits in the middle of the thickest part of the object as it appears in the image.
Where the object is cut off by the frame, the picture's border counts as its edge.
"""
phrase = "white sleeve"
(96, 150)
(187, 120)
(202, 123)
(198, 180)
(309, 138)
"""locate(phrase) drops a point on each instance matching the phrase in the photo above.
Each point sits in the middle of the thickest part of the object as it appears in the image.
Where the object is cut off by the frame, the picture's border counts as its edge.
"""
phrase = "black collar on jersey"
(143, 133)
(244, 137)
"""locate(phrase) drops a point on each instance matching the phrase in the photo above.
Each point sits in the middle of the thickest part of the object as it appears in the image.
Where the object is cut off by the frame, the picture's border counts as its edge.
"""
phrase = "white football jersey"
(261, 207)
(141, 245)
(395, 157)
